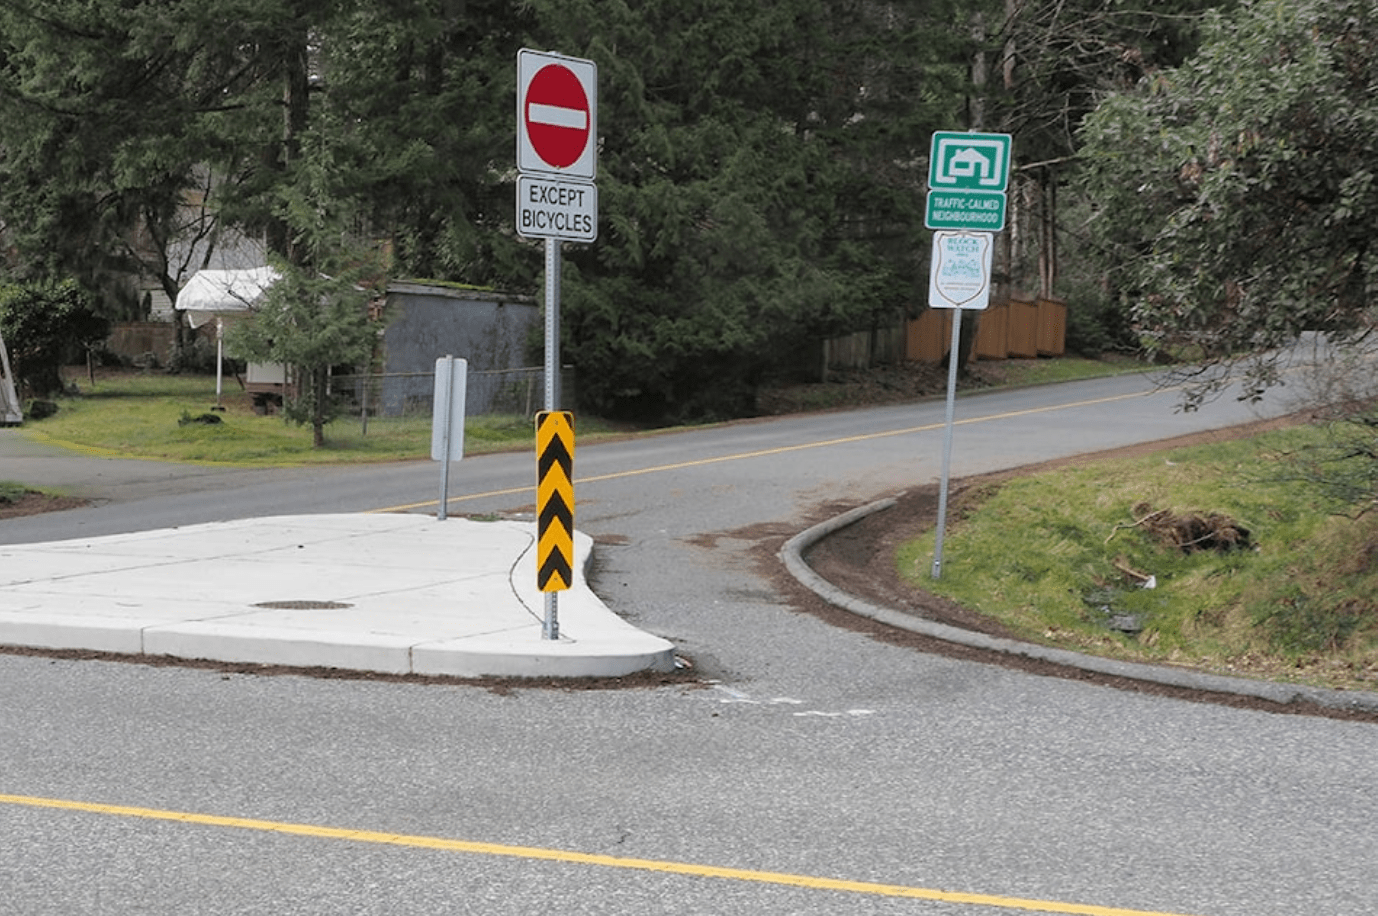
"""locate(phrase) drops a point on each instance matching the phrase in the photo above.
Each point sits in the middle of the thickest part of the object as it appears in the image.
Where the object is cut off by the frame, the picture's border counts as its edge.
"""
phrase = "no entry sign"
(557, 115)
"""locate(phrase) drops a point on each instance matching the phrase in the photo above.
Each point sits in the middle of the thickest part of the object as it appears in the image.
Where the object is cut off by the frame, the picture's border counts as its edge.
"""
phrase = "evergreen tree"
(423, 91)
(754, 194)
(99, 139)
(317, 315)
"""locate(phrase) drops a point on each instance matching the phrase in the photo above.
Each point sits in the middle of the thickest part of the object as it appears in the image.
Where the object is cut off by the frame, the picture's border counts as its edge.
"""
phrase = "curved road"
(810, 770)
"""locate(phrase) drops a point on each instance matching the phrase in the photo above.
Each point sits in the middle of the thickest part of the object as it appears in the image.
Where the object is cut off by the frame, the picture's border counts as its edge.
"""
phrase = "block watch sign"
(960, 275)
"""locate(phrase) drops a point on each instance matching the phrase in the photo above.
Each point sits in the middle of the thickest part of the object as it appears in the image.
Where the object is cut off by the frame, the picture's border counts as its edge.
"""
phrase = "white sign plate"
(960, 275)
(557, 115)
(447, 428)
(550, 209)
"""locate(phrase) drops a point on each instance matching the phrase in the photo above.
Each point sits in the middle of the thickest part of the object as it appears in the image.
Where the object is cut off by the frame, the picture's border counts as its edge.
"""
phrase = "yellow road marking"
(578, 858)
(781, 450)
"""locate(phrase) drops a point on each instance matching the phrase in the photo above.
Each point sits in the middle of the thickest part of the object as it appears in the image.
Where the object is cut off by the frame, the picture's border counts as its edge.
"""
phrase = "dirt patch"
(34, 503)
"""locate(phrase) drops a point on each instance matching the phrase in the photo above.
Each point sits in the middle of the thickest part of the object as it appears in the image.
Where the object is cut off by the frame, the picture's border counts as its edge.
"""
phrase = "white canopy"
(213, 293)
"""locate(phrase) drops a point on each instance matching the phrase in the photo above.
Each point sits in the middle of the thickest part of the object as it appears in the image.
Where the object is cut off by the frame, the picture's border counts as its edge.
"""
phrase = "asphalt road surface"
(807, 769)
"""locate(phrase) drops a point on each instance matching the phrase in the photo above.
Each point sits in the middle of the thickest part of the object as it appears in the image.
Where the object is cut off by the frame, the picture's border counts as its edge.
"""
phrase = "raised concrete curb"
(792, 554)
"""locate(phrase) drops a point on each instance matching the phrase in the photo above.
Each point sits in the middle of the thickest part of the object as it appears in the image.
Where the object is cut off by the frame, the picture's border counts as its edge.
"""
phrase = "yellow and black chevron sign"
(554, 500)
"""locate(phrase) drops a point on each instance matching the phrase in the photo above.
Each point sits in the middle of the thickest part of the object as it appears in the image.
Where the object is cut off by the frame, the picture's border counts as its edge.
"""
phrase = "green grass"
(1046, 555)
(145, 416)
(1064, 369)
(11, 492)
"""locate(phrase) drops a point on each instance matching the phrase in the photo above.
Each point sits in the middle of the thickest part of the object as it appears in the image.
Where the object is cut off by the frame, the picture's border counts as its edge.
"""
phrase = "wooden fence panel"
(992, 333)
(929, 335)
(865, 349)
(1052, 327)
(1022, 340)
(132, 339)
(849, 352)
(889, 345)
(1018, 328)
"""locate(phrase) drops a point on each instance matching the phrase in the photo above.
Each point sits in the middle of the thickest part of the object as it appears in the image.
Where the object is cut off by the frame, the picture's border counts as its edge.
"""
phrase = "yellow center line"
(579, 858)
(781, 450)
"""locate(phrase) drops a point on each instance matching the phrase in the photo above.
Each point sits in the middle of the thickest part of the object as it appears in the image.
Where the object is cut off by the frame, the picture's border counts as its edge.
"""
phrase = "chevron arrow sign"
(554, 500)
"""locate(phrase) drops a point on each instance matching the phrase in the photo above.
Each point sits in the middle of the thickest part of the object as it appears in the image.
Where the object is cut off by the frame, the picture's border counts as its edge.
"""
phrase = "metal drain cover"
(304, 605)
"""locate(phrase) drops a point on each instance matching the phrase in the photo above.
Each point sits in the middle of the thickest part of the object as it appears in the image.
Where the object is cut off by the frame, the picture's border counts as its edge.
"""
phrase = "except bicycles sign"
(549, 209)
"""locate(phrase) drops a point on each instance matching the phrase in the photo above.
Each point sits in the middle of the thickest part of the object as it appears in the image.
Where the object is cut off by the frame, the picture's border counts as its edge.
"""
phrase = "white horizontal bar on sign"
(555, 116)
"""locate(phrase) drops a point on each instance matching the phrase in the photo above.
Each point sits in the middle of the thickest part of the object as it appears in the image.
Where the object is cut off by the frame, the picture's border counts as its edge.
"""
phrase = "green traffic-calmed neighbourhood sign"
(967, 177)
(979, 211)
(960, 161)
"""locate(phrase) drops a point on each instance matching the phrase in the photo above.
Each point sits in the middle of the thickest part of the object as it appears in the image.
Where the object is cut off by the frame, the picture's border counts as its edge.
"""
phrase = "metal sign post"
(947, 441)
(557, 161)
(219, 363)
(550, 627)
(10, 409)
(967, 177)
(959, 278)
(552, 324)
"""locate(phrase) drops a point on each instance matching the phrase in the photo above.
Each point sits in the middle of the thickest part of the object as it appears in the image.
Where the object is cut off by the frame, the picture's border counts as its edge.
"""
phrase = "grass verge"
(171, 417)
(1062, 369)
(1060, 558)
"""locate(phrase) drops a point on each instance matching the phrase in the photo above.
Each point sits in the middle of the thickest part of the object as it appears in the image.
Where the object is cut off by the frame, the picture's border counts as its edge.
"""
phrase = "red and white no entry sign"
(557, 115)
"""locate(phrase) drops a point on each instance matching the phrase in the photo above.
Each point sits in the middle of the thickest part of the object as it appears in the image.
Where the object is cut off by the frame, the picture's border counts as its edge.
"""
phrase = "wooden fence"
(865, 349)
(1019, 329)
(133, 339)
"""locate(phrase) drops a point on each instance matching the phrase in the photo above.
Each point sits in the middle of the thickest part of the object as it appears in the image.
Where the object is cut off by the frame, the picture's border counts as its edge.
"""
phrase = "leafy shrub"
(41, 322)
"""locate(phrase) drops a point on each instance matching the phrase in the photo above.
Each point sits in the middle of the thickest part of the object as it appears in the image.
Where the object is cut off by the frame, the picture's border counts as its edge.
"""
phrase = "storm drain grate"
(303, 605)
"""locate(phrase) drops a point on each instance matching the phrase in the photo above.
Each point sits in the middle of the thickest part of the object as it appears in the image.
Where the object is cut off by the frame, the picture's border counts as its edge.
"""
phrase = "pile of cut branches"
(1190, 532)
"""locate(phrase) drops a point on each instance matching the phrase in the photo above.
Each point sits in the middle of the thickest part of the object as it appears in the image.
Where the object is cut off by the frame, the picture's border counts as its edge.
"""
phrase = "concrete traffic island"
(387, 593)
